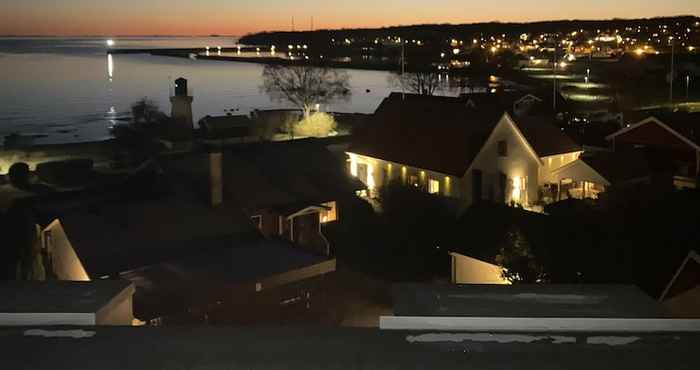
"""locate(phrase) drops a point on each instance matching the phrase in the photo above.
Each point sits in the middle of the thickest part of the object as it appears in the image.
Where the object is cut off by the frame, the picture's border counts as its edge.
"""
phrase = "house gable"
(653, 132)
(505, 129)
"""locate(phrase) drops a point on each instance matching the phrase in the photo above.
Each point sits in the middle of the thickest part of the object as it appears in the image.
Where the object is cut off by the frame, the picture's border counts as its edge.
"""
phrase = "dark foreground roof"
(565, 301)
(59, 296)
(178, 283)
(326, 348)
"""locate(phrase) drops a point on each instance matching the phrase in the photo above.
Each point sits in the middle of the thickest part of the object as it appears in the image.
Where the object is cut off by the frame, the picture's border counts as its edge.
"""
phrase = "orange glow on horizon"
(206, 17)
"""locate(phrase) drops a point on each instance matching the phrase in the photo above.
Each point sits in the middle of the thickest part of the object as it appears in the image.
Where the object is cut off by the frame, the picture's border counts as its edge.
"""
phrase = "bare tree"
(146, 112)
(305, 86)
(422, 82)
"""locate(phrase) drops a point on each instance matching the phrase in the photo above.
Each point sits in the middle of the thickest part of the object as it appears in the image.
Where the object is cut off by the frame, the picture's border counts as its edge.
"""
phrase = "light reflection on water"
(58, 87)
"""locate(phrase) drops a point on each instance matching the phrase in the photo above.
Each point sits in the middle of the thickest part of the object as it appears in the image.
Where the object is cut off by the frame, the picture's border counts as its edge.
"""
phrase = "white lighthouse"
(181, 102)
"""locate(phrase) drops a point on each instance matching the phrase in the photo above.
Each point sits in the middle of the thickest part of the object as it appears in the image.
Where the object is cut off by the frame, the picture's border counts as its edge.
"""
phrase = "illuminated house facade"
(456, 148)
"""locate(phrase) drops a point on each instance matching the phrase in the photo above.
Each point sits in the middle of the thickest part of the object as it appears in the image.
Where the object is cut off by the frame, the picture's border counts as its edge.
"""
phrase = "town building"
(470, 148)
(672, 138)
(190, 231)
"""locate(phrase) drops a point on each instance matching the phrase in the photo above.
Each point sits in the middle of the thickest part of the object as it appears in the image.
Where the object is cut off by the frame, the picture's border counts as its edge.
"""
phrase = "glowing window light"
(517, 189)
(353, 165)
(370, 177)
(434, 187)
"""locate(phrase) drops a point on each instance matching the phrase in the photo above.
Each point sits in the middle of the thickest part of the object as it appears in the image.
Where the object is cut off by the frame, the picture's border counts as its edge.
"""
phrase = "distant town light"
(563, 64)
(639, 51)
(493, 49)
(455, 51)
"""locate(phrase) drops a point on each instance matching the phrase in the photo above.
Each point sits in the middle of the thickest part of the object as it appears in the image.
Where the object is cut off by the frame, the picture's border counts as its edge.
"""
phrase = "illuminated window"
(329, 215)
(434, 187)
(353, 165)
(503, 148)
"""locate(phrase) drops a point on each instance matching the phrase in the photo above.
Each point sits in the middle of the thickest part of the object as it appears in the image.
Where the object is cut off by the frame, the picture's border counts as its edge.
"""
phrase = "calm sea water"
(70, 89)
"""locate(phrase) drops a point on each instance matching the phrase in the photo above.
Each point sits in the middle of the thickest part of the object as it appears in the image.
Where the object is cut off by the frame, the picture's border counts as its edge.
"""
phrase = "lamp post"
(687, 87)
(670, 77)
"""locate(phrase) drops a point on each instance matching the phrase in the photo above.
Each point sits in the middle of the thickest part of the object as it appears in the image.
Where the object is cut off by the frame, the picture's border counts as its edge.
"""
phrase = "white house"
(462, 148)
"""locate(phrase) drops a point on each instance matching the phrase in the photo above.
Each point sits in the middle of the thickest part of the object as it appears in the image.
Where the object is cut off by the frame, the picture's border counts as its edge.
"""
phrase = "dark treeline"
(441, 32)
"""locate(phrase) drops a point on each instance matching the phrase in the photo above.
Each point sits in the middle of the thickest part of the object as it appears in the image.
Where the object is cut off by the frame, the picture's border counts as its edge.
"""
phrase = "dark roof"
(224, 122)
(120, 231)
(520, 300)
(620, 166)
(176, 284)
(276, 175)
(545, 137)
(312, 348)
(442, 134)
(226, 126)
(59, 296)
(685, 123)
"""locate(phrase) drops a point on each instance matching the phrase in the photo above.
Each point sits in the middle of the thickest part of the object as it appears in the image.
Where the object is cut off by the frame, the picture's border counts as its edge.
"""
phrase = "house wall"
(685, 305)
(552, 163)
(119, 312)
(520, 163)
(468, 270)
(66, 264)
(384, 172)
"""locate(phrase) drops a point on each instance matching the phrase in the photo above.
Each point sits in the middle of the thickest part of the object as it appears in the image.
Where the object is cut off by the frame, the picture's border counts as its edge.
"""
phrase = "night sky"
(237, 17)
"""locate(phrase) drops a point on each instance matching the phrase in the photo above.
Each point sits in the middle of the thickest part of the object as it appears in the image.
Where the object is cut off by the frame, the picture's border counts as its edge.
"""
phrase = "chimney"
(216, 178)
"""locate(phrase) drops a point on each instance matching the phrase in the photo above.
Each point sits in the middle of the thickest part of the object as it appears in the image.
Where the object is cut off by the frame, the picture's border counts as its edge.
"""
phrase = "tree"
(316, 125)
(146, 112)
(518, 261)
(305, 86)
(422, 82)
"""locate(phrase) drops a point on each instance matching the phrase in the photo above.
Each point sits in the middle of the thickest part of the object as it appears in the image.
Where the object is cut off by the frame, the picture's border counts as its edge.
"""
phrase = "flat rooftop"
(539, 301)
(58, 296)
(310, 348)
